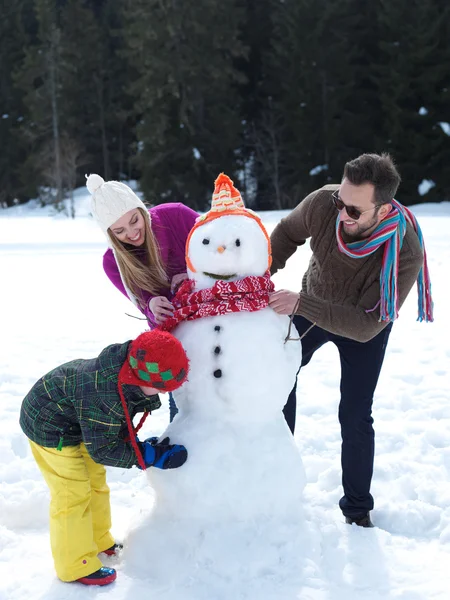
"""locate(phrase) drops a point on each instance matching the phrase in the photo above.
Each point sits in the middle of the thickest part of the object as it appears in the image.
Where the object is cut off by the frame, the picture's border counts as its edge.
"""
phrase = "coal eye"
(205, 241)
(238, 242)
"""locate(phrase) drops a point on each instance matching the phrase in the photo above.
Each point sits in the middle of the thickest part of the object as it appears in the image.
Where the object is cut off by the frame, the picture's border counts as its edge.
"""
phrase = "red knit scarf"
(247, 294)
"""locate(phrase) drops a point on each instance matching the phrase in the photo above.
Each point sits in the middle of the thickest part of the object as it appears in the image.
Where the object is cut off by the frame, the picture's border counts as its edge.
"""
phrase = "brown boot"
(361, 521)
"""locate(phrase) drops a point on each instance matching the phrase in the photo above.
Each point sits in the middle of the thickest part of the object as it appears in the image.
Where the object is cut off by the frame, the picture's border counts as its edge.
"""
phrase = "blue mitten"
(163, 455)
(152, 440)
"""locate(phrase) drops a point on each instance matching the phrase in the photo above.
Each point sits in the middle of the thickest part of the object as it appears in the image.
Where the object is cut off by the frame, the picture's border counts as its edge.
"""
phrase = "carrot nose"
(221, 249)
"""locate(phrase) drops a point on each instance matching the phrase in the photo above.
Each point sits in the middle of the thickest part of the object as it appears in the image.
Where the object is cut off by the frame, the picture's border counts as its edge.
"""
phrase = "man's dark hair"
(377, 169)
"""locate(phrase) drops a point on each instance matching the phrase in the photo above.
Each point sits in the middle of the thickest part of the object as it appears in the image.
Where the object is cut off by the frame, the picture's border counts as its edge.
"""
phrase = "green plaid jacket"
(79, 402)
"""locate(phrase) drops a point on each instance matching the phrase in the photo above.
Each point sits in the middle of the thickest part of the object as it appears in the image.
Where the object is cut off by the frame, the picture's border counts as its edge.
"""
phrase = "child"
(78, 418)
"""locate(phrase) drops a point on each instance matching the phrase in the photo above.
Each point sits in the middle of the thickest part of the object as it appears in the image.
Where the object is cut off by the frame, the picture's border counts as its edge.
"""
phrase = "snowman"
(244, 472)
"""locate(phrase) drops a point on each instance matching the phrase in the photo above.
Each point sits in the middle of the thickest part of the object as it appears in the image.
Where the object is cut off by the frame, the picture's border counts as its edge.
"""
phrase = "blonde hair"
(148, 275)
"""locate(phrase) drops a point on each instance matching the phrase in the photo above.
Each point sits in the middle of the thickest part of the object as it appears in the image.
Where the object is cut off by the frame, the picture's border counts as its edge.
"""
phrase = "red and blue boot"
(103, 576)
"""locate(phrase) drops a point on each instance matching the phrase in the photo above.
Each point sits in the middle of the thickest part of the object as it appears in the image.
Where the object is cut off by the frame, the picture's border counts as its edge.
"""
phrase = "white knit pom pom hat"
(111, 200)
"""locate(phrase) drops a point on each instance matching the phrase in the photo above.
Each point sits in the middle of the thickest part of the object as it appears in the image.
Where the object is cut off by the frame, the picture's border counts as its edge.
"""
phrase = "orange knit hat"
(226, 201)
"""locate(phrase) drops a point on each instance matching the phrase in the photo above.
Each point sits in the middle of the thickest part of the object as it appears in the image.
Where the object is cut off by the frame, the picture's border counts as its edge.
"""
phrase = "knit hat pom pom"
(93, 182)
(223, 179)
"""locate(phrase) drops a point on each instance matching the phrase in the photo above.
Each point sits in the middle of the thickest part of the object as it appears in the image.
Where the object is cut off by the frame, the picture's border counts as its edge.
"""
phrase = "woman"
(146, 259)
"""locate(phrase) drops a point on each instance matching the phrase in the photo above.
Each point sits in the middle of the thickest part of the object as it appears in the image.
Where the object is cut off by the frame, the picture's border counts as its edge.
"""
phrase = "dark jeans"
(360, 368)
(173, 409)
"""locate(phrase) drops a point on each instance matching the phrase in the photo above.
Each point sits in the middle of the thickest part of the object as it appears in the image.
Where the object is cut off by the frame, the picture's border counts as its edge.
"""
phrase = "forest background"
(278, 94)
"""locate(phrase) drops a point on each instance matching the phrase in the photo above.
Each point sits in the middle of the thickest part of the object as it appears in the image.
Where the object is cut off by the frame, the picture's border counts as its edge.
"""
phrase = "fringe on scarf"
(391, 232)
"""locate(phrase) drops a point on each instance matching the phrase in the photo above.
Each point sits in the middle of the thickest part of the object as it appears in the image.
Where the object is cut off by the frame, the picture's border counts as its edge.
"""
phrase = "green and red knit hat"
(155, 359)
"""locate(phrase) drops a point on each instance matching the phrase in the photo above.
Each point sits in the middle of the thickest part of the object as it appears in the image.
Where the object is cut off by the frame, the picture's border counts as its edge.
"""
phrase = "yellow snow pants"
(80, 512)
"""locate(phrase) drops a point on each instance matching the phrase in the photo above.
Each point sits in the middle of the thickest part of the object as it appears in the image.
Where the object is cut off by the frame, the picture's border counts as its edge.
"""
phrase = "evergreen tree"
(82, 88)
(16, 21)
(185, 85)
(94, 87)
(40, 78)
(256, 31)
(411, 77)
(310, 79)
(122, 118)
(278, 94)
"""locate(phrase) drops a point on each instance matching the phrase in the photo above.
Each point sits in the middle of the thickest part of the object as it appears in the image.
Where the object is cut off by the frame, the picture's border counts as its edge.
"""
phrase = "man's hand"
(177, 280)
(161, 308)
(283, 302)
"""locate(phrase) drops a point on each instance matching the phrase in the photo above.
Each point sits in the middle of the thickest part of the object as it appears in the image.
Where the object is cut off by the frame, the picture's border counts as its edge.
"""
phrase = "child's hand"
(163, 455)
(161, 308)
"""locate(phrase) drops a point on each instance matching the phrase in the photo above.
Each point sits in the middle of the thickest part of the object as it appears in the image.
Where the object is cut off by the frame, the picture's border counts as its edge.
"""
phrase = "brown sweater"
(337, 289)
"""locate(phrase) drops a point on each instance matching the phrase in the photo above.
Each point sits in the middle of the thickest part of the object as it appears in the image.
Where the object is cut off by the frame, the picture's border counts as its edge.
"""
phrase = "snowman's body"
(243, 461)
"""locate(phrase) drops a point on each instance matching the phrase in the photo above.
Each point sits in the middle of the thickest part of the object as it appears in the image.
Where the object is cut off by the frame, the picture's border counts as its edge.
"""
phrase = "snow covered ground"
(56, 305)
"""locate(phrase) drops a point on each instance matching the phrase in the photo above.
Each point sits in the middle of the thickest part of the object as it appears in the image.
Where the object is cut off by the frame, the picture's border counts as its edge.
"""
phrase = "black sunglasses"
(353, 212)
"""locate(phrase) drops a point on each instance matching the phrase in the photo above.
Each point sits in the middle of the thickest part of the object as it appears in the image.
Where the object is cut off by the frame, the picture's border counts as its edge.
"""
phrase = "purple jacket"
(171, 224)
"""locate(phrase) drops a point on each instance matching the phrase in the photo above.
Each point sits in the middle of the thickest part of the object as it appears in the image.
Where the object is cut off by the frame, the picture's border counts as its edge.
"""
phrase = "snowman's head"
(229, 242)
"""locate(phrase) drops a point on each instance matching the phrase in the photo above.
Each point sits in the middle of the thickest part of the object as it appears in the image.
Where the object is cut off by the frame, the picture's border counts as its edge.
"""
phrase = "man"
(367, 252)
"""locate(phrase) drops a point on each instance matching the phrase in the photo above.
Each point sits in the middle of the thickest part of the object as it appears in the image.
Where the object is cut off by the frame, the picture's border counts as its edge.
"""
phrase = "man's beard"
(361, 232)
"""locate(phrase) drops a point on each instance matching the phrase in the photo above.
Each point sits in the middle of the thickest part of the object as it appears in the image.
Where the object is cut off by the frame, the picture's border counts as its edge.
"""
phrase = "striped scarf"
(391, 232)
(248, 294)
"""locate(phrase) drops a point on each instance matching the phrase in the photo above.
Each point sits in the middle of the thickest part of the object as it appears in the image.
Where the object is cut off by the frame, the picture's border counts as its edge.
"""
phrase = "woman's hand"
(177, 280)
(161, 308)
